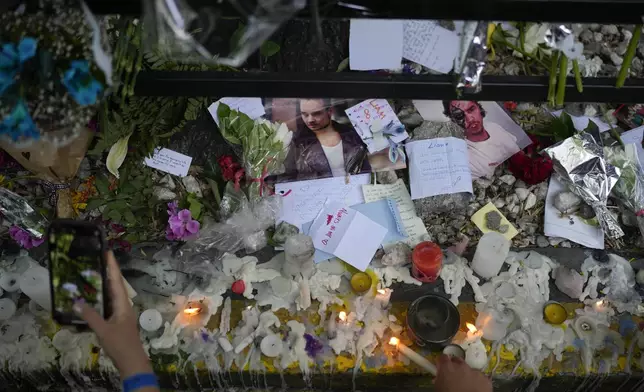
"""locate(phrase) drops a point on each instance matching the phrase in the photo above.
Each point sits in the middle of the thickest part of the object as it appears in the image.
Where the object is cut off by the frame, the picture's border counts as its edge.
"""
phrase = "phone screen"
(76, 268)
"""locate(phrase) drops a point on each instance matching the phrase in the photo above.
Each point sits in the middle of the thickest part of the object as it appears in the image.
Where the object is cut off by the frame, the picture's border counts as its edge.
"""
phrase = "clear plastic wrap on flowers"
(263, 144)
(245, 229)
(17, 211)
(630, 186)
(224, 32)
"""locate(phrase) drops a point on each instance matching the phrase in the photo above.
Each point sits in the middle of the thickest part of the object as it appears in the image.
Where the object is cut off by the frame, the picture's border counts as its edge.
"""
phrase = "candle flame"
(192, 310)
(600, 302)
(394, 341)
(383, 292)
(248, 307)
(471, 327)
(343, 316)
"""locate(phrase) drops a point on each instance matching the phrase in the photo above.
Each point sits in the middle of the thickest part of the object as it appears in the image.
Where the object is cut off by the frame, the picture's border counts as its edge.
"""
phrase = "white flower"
(534, 36)
(281, 131)
(589, 68)
(573, 50)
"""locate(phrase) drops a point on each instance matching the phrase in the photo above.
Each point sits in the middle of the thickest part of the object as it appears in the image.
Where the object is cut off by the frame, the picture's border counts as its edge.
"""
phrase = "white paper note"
(375, 121)
(375, 44)
(170, 162)
(303, 200)
(252, 107)
(570, 227)
(427, 43)
(414, 226)
(438, 166)
(634, 136)
(581, 122)
(339, 231)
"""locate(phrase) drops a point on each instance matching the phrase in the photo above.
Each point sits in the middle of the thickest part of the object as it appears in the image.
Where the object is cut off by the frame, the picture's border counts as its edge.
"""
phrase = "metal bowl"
(432, 321)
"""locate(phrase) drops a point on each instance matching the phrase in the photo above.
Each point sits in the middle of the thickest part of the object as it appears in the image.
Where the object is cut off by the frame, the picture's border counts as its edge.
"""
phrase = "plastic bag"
(245, 229)
(630, 186)
(222, 32)
(17, 211)
(440, 203)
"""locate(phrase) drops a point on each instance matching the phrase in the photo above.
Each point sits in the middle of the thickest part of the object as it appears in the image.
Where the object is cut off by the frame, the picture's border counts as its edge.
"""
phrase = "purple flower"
(313, 346)
(23, 238)
(181, 226)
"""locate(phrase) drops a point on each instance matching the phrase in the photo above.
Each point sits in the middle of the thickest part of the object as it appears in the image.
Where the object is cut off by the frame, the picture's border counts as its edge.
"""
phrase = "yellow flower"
(1, 179)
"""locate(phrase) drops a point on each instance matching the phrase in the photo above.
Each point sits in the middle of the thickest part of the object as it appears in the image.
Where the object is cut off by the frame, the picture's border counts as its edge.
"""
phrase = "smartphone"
(76, 269)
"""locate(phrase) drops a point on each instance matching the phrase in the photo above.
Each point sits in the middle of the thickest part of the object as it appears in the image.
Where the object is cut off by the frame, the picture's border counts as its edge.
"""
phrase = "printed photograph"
(492, 136)
(325, 143)
(76, 271)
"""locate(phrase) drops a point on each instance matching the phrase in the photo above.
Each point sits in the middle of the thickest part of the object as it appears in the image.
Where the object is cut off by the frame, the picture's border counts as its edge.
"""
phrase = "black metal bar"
(580, 11)
(366, 85)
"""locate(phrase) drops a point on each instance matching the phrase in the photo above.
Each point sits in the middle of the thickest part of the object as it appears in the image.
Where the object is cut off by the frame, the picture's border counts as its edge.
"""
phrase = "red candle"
(427, 259)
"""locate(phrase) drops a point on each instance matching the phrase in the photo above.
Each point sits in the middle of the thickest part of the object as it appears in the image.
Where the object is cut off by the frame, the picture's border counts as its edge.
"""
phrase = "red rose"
(510, 106)
(228, 167)
(529, 166)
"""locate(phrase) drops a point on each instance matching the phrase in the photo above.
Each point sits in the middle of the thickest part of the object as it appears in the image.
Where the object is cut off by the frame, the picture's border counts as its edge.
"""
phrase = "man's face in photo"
(468, 115)
(314, 114)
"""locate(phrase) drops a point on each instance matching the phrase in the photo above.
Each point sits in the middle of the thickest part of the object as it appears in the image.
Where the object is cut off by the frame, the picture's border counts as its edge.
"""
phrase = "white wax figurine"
(151, 320)
(224, 343)
(475, 355)
(271, 345)
(491, 252)
(7, 309)
(34, 283)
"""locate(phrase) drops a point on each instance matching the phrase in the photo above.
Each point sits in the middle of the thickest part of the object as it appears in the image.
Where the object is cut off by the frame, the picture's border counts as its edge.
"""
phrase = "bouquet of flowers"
(264, 146)
(50, 83)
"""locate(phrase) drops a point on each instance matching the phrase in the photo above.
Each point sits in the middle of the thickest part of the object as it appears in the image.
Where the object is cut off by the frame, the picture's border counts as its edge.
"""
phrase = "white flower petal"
(116, 156)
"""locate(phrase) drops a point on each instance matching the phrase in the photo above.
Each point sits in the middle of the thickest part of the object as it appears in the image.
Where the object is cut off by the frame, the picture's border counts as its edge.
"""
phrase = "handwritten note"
(252, 107)
(427, 43)
(375, 44)
(570, 227)
(634, 136)
(170, 162)
(302, 200)
(438, 166)
(414, 226)
(339, 228)
(375, 121)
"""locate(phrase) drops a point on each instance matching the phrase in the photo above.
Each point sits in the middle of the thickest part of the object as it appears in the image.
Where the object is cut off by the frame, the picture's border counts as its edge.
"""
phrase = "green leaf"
(94, 203)
(129, 217)
(118, 205)
(115, 216)
(567, 120)
(269, 48)
(195, 209)
(102, 185)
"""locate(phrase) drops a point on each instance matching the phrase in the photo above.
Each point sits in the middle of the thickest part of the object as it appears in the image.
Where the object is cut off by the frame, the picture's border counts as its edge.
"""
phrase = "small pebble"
(598, 37)
(586, 211)
(542, 242)
(609, 29)
(493, 220)
(616, 59)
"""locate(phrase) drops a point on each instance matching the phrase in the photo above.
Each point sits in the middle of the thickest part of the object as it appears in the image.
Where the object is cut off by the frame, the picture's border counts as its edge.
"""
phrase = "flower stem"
(575, 70)
(553, 78)
(561, 84)
(628, 58)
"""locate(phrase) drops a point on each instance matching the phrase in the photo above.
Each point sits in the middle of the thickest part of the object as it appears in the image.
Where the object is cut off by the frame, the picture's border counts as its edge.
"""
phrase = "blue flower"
(27, 48)
(18, 125)
(11, 57)
(80, 83)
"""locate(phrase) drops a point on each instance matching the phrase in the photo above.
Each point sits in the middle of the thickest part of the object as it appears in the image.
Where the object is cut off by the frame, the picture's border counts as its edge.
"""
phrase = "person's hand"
(454, 375)
(119, 335)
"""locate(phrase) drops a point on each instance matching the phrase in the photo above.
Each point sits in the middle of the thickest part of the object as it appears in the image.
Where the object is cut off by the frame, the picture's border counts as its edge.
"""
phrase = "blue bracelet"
(140, 380)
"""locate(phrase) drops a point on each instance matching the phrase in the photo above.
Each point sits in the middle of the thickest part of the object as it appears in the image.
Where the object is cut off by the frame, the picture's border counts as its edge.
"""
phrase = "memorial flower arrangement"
(50, 83)
(264, 146)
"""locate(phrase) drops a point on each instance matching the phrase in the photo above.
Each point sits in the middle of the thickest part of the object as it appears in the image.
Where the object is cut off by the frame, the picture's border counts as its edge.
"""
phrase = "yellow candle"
(554, 313)
(360, 282)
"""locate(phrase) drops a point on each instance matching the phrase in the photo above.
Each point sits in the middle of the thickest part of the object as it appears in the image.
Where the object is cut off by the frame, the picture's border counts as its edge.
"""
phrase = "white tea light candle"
(414, 356)
(34, 283)
(151, 320)
(7, 309)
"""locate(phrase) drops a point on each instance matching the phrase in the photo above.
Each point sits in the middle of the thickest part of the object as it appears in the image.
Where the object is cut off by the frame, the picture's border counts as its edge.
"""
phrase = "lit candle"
(413, 356)
(383, 296)
(193, 309)
(343, 317)
(34, 283)
(7, 309)
(151, 320)
(475, 352)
